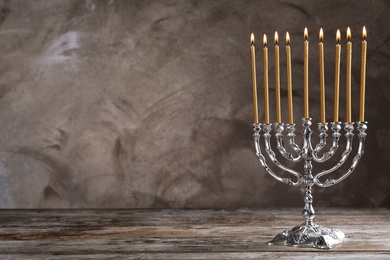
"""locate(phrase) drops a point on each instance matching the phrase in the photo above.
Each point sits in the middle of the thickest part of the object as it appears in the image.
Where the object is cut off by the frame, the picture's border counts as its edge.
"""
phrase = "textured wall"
(149, 103)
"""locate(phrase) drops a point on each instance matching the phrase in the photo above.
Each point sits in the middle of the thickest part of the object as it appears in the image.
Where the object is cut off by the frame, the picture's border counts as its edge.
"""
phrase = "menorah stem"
(308, 212)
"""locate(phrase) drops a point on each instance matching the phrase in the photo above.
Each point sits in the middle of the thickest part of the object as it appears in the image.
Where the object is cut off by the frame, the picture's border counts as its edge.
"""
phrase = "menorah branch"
(280, 146)
(362, 127)
(290, 128)
(322, 128)
(256, 137)
(336, 127)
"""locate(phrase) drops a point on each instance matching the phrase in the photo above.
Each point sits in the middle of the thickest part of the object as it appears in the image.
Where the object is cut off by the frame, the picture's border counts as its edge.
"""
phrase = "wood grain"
(183, 234)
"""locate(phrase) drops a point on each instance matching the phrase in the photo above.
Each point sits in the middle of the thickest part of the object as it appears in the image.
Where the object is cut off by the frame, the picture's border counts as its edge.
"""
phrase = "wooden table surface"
(184, 234)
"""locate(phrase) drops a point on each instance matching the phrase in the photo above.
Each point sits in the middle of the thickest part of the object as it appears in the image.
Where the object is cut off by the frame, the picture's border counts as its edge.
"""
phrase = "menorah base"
(309, 236)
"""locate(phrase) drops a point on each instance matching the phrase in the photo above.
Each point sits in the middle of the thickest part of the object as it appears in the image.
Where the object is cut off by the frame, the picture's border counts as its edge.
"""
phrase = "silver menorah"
(308, 233)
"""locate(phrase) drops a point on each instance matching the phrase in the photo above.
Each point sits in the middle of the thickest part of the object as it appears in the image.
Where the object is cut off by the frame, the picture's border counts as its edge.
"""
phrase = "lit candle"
(254, 85)
(306, 74)
(337, 77)
(277, 80)
(322, 77)
(363, 75)
(289, 81)
(265, 70)
(348, 82)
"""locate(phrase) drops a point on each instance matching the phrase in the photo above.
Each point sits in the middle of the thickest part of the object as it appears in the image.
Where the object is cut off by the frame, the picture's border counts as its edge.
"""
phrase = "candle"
(306, 74)
(265, 74)
(348, 81)
(254, 84)
(363, 75)
(322, 77)
(289, 81)
(277, 80)
(337, 77)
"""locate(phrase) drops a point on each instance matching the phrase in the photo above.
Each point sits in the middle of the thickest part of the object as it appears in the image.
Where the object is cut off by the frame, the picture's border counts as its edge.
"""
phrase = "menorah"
(308, 233)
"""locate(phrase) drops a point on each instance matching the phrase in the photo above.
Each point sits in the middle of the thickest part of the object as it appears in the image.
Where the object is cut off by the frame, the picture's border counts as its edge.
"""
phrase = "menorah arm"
(280, 146)
(323, 135)
(362, 126)
(256, 138)
(291, 138)
(272, 156)
(322, 128)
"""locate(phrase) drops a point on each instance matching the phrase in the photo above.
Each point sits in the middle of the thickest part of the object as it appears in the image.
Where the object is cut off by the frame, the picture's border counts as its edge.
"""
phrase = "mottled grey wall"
(149, 103)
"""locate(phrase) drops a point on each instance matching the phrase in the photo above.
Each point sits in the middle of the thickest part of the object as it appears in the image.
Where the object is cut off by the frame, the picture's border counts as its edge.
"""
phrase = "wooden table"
(184, 234)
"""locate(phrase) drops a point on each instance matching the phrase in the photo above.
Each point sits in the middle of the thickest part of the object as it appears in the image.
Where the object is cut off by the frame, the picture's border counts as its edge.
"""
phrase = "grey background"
(144, 104)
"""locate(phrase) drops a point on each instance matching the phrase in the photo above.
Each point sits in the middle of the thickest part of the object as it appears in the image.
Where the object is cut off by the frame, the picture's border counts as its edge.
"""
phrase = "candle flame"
(338, 36)
(306, 34)
(364, 33)
(265, 40)
(252, 39)
(321, 35)
(276, 38)
(287, 38)
(348, 34)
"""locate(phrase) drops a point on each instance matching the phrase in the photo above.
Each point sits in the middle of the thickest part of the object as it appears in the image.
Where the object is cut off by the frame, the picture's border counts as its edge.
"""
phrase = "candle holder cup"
(308, 233)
